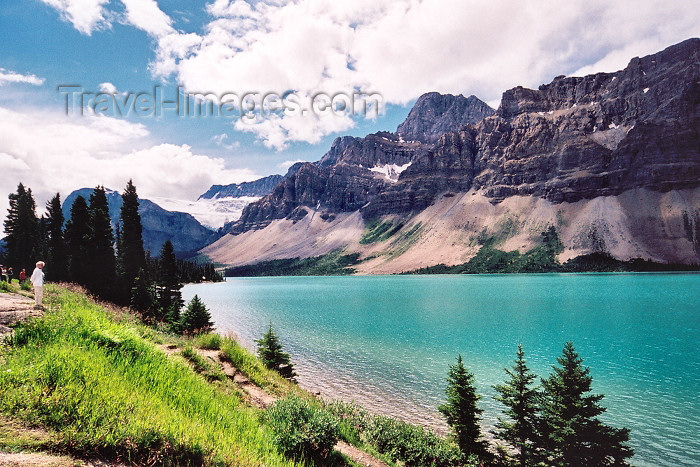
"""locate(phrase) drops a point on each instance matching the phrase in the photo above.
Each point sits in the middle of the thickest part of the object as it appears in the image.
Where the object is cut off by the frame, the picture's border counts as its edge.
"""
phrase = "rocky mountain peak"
(259, 187)
(435, 114)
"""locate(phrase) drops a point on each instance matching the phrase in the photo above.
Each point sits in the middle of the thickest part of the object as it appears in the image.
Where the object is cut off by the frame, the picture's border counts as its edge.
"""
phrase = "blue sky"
(395, 49)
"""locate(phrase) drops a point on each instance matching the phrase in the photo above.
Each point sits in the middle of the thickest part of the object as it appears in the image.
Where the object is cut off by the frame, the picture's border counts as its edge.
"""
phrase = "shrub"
(302, 429)
(5, 287)
(26, 285)
(410, 444)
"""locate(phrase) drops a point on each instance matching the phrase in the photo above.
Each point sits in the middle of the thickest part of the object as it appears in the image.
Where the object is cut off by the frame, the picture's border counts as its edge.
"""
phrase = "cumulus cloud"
(396, 48)
(85, 15)
(403, 48)
(52, 153)
(145, 15)
(7, 76)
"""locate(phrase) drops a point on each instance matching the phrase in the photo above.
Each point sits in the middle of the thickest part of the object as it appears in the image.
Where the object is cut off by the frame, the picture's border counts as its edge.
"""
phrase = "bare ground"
(15, 308)
(635, 224)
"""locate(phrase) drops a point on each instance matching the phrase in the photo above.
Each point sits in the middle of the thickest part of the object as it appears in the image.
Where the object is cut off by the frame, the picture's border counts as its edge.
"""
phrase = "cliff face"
(356, 170)
(574, 140)
(435, 114)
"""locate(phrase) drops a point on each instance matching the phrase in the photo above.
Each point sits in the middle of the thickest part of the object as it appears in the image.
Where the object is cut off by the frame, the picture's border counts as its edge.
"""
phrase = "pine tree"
(58, 254)
(461, 412)
(21, 230)
(521, 401)
(101, 264)
(77, 235)
(272, 356)
(168, 282)
(575, 434)
(142, 298)
(132, 257)
(196, 318)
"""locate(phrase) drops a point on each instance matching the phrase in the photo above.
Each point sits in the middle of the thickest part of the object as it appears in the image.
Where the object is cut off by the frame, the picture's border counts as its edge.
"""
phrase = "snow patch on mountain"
(390, 171)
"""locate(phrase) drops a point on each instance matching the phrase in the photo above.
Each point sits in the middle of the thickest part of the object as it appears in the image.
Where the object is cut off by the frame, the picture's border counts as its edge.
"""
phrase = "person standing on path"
(38, 283)
(22, 275)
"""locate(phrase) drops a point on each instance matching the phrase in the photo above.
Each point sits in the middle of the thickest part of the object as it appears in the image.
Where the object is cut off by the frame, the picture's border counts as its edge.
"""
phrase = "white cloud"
(397, 48)
(145, 15)
(403, 48)
(222, 141)
(7, 76)
(51, 153)
(287, 164)
(86, 15)
(108, 88)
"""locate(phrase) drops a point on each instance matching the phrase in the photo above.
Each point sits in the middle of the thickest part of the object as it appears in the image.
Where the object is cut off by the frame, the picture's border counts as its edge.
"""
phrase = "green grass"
(334, 263)
(105, 390)
(209, 341)
(377, 231)
(254, 369)
(210, 370)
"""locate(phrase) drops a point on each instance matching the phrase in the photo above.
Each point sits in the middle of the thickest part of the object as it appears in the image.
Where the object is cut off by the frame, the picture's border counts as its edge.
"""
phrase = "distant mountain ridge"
(184, 231)
(259, 187)
(567, 147)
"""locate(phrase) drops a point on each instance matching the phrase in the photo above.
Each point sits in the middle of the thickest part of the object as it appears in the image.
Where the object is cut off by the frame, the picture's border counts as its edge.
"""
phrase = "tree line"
(110, 263)
(554, 424)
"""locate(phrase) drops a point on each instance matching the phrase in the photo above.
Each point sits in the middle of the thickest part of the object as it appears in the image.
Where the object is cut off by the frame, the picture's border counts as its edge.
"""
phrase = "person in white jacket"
(38, 282)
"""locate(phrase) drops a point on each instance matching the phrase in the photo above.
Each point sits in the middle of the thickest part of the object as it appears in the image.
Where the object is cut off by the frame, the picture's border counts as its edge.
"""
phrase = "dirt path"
(261, 399)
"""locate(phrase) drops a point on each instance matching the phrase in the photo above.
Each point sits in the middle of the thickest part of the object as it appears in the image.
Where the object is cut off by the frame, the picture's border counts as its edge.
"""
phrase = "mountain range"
(184, 231)
(610, 160)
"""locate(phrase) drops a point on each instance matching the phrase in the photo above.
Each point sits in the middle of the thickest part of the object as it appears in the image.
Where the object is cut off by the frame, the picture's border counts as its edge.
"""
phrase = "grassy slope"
(104, 388)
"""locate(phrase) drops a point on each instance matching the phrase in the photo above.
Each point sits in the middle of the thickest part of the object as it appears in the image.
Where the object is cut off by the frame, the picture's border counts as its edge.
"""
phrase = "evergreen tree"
(575, 434)
(41, 244)
(173, 319)
(132, 258)
(77, 235)
(57, 250)
(521, 401)
(461, 412)
(196, 317)
(142, 298)
(168, 282)
(272, 356)
(101, 264)
(21, 230)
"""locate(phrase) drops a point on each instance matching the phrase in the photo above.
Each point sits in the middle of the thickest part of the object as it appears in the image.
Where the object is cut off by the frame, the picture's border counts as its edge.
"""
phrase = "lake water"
(386, 341)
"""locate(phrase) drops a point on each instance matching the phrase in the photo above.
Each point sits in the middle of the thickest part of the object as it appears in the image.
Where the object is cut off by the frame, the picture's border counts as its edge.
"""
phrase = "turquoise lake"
(386, 341)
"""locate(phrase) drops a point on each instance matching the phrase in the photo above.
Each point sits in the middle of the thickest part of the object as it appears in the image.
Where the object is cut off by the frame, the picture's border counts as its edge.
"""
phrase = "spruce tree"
(521, 401)
(77, 235)
(101, 264)
(142, 298)
(575, 435)
(461, 412)
(132, 257)
(196, 318)
(58, 254)
(168, 282)
(272, 356)
(21, 230)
